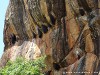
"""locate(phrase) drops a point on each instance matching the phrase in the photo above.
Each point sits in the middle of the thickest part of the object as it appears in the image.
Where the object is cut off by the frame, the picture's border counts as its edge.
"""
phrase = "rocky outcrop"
(66, 31)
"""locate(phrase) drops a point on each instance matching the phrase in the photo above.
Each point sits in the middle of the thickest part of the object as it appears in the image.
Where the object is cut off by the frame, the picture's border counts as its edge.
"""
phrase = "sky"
(3, 8)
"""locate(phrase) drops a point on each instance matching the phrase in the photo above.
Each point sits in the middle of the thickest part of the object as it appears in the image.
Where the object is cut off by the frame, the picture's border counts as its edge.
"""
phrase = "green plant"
(24, 67)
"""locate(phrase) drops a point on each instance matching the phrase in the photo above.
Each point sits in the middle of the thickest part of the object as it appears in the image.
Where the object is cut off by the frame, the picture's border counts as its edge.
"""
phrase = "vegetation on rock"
(23, 67)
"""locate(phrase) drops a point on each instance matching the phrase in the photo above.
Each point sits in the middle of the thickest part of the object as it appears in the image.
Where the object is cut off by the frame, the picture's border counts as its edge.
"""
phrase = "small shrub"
(24, 67)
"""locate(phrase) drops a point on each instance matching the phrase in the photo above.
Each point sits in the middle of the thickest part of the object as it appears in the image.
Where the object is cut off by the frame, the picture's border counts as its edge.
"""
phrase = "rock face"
(66, 31)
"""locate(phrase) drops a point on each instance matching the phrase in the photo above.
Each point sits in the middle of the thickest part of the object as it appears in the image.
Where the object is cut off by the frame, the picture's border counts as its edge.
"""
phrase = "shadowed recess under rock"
(13, 39)
(56, 66)
(45, 29)
(82, 12)
(40, 34)
(52, 18)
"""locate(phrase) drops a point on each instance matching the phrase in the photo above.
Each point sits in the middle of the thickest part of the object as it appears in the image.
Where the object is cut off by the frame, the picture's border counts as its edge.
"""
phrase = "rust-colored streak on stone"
(91, 59)
(71, 25)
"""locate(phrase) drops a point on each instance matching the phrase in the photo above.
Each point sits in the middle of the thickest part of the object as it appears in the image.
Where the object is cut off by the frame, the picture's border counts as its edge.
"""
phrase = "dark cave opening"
(13, 39)
(45, 29)
(82, 12)
(34, 35)
(56, 66)
(40, 34)
(52, 18)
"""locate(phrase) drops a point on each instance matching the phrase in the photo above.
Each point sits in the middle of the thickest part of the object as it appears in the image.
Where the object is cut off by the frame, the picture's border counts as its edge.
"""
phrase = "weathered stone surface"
(66, 31)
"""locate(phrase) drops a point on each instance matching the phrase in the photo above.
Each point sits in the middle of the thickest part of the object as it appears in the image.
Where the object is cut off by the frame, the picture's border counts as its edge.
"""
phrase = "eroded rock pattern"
(67, 31)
